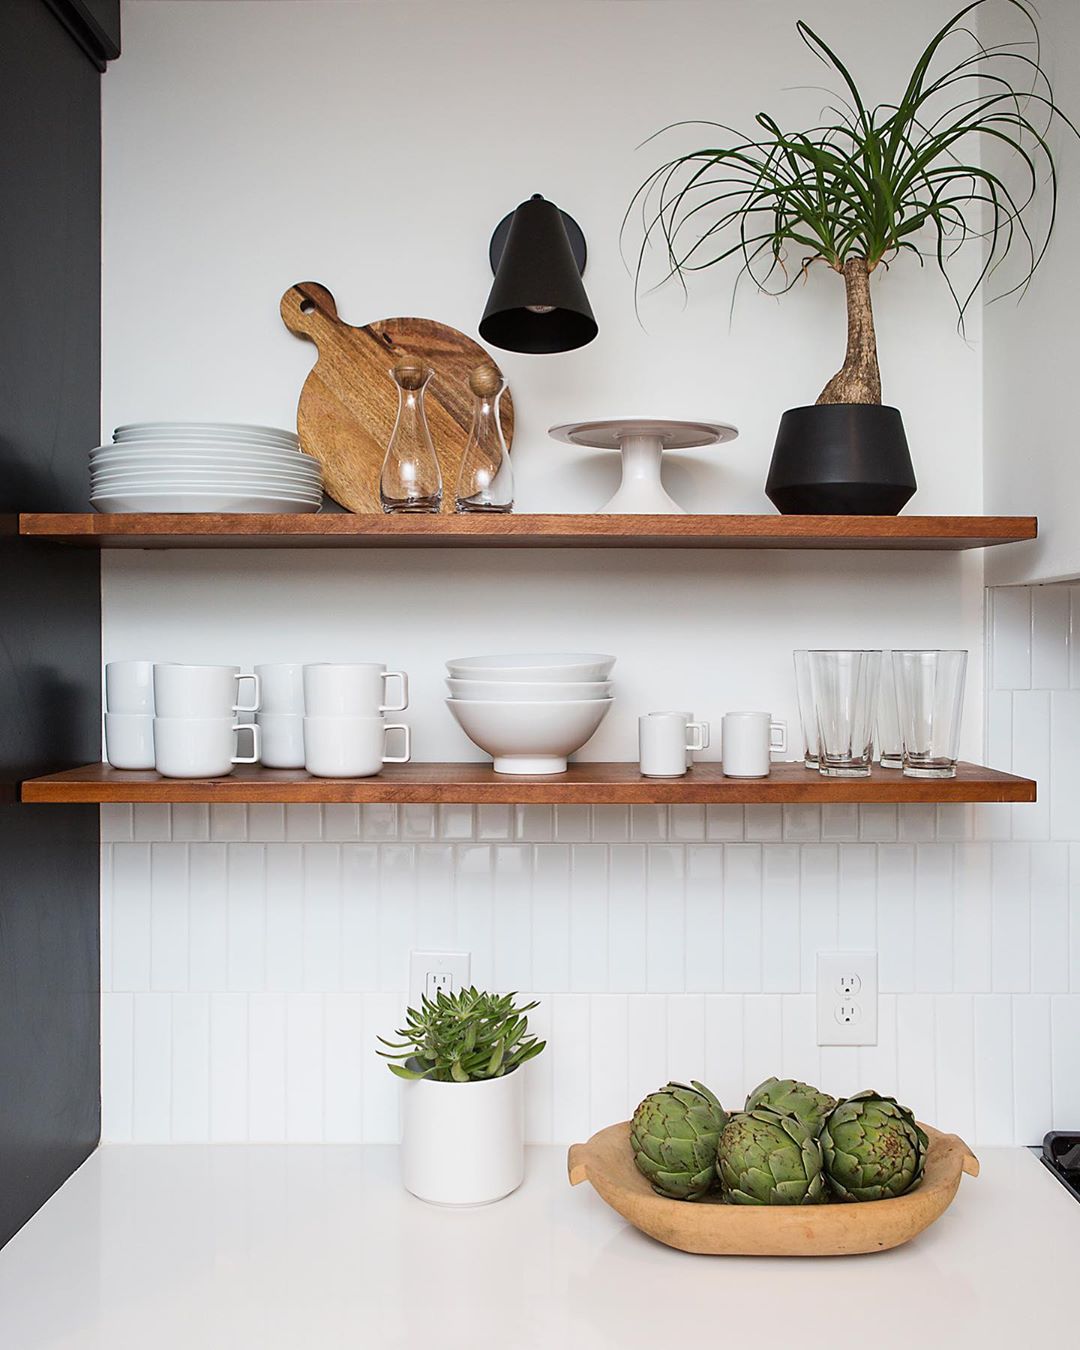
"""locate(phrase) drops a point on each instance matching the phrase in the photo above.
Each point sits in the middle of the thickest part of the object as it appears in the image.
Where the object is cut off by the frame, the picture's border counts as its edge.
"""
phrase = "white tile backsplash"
(251, 955)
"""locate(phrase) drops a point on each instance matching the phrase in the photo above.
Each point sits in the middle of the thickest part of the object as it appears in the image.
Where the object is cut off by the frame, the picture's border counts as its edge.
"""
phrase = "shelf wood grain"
(584, 783)
(527, 531)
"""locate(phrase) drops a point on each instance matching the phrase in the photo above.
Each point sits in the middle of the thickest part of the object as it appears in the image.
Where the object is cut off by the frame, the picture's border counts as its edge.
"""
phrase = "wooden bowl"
(711, 1228)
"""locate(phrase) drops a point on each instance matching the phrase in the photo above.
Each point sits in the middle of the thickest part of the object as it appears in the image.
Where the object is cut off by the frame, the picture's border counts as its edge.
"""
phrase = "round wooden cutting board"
(349, 401)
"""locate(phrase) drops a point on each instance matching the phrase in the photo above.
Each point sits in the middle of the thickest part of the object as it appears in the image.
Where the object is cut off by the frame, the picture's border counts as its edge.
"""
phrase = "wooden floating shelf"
(584, 783)
(525, 531)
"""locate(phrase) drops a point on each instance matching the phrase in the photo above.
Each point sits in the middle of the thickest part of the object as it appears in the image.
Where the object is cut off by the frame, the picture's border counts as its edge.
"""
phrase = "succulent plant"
(674, 1134)
(463, 1038)
(792, 1098)
(873, 1148)
(766, 1158)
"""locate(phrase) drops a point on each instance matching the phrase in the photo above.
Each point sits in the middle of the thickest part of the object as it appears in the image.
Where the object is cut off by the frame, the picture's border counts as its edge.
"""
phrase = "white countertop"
(315, 1248)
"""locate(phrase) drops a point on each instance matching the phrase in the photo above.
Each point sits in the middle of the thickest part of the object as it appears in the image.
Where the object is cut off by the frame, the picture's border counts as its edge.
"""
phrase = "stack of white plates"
(530, 712)
(203, 466)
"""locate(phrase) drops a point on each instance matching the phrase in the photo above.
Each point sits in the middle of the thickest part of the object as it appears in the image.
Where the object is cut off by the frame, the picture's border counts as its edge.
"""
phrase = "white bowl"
(533, 666)
(533, 738)
(520, 691)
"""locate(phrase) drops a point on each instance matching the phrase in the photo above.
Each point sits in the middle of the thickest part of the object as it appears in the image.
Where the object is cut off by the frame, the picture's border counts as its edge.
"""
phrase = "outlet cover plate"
(430, 971)
(847, 998)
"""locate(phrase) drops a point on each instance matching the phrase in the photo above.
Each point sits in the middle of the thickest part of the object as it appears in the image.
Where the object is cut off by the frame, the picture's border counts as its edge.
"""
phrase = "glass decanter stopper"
(486, 480)
(410, 478)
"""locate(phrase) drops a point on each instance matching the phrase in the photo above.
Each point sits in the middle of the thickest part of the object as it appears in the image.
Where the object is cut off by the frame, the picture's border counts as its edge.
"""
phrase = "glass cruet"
(486, 480)
(410, 478)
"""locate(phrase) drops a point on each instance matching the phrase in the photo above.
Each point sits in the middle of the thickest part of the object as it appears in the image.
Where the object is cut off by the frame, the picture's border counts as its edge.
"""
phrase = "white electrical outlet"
(430, 972)
(847, 998)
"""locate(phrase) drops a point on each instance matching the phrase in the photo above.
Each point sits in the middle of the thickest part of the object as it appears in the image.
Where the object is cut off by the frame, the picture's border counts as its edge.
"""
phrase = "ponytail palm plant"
(872, 182)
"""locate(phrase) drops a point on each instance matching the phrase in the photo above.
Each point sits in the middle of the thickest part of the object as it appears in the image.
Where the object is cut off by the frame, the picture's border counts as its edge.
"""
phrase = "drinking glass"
(930, 699)
(845, 691)
(890, 744)
(804, 693)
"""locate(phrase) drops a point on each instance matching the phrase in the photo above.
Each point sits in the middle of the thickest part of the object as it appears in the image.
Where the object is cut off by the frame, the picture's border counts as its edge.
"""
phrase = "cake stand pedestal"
(642, 442)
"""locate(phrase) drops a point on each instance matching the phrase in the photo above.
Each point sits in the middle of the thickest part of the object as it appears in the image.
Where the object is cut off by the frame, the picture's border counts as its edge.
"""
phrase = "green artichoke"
(873, 1148)
(792, 1098)
(769, 1159)
(674, 1134)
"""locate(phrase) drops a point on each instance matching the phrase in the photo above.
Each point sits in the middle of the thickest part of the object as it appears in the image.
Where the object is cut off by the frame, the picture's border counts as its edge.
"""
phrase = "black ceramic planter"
(844, 459)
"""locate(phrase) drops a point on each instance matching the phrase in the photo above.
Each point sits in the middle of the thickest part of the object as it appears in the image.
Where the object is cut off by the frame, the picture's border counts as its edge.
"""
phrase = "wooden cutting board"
(349, 401)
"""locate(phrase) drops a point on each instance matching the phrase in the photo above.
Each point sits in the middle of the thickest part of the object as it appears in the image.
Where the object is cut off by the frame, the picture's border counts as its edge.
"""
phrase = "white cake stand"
(642, 441)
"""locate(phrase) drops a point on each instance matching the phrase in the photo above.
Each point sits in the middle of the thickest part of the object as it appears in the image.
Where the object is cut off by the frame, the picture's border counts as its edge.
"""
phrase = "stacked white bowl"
(530, 711)
(203, 466)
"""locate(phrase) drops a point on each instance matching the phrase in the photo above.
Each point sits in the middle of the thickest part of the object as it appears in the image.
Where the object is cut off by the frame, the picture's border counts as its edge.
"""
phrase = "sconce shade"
(537, 302)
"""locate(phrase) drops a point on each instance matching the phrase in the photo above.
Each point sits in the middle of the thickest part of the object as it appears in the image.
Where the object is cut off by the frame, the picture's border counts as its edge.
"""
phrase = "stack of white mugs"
(329, 719)
(186, 721)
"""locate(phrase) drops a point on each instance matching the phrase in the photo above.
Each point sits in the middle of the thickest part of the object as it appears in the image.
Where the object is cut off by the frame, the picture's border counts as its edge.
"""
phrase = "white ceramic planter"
(463, 1143)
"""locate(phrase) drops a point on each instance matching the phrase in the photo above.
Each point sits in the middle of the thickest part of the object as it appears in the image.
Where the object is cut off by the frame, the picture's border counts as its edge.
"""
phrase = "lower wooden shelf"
(584, 783)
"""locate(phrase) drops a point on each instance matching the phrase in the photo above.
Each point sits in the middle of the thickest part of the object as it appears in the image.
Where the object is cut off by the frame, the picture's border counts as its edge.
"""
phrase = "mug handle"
(253, 758)
(404, 690)
(244, 707)
(778, 737)
(697, 736)
(397, 759)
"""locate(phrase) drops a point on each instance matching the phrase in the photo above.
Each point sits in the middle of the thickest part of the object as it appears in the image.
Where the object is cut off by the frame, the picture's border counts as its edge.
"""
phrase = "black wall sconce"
(537, 302)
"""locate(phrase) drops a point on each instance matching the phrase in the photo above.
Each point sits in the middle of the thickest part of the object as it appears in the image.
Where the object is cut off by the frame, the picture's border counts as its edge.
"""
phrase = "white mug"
(201, 691)
(200, 747)
(352, 690)
(666, 740)
(282, 736)
(129, 740)
(747, 739)
(350, 747)
(281, 687)
(129, 687)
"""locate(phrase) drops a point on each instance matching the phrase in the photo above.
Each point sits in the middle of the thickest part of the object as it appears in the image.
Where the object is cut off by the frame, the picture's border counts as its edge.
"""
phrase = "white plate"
(534, 666)
(131, 429)
(233, 487)
(187, 502)
(203, 473)
(155, 450)
(218, 439)
(520, 691)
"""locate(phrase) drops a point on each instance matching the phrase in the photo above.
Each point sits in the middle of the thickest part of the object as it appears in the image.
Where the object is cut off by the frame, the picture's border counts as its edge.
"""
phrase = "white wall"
(373, 147)
(249, 954)
(1032, 462)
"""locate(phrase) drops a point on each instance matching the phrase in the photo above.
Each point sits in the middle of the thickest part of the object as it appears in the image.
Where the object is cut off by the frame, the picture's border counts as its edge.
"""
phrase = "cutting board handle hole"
(307, 306)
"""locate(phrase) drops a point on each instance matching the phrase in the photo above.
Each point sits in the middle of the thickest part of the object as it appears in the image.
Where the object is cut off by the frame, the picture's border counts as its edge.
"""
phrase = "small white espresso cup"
(747, 739)
(281, 687)
(666, 740)
(358, 690)
(350, 747)
(282, 737)
(201, 691)
(200, 747)
(129, 740)
(129, 687)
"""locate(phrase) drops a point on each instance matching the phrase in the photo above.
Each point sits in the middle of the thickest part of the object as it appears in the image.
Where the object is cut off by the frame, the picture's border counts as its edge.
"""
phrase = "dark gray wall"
(50, 613)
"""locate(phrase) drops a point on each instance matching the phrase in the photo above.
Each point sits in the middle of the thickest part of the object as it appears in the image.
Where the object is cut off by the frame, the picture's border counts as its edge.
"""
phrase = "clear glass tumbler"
(930, 698)
(845, 690)
(889, 743)
(805, 694)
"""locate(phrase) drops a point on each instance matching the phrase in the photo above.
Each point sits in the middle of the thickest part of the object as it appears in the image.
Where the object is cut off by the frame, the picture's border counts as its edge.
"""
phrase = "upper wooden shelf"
(583, 783)
(524, 531)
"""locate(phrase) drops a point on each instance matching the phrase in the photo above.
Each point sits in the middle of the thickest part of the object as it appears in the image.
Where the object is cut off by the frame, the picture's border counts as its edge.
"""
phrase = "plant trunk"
(859, 379)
